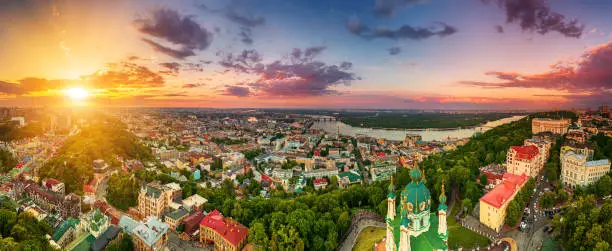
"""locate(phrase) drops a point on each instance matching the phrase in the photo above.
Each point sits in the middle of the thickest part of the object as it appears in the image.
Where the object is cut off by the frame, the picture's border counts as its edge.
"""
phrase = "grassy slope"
(368, 237)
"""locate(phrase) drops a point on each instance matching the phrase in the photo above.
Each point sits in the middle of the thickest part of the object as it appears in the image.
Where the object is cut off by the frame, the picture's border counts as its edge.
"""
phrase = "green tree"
(562, 196)
(604, 186)
(466, 204)
(483, 179)
(122, 191)
(513, 212)
(547, 200)
(258, 236)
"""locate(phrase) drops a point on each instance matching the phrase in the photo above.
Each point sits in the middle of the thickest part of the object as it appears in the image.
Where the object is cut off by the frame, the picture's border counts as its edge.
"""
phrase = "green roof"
(426, 241)
(352, 176)
(416, 193)
(177, 214)
(153, 192)
(61, 230)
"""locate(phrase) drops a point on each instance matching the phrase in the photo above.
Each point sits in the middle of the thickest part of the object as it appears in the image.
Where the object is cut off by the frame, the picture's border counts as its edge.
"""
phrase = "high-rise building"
(524, 159)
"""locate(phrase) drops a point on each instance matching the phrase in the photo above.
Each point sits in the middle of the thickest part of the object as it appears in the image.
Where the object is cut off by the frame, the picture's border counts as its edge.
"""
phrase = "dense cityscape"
(326, 125)
(203, 179)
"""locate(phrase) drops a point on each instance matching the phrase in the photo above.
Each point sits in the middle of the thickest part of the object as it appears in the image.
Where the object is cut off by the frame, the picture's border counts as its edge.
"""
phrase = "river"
(400, 134)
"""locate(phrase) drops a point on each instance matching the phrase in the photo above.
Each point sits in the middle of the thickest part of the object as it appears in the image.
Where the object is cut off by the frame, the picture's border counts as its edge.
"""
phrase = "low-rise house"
(320, 183)
(191, 229)
(347, 178)
(194, 203)
(54, 185)
(174, 218)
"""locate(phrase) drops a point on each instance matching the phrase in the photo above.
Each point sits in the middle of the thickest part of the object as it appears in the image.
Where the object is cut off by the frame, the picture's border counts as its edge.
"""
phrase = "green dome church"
(414, 228)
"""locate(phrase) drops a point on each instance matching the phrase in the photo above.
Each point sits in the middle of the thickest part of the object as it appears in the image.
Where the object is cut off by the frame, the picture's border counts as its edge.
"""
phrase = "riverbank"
(428, 134)
(419, 121)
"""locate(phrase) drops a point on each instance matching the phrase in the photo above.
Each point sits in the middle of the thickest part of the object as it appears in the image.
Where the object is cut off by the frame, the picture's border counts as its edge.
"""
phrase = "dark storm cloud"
(592, 73)
(386, 8)
(299, 74)
(238, 91)
(394, 50)
(169, 25)
(355, 26)
(499, 29)
(536, 15)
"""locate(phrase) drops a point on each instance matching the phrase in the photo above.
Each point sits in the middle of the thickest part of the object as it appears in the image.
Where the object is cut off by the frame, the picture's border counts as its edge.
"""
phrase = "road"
(175, 243)
(101, 190)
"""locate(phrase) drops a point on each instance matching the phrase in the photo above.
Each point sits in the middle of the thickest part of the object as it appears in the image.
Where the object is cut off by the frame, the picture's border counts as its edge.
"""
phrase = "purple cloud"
(297, 75)
(168, 25)
(355, 26)
(238, 91)
(536, 15)
(394, 50)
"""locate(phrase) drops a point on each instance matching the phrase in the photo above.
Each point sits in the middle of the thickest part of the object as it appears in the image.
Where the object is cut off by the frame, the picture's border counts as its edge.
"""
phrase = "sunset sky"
(403, 54)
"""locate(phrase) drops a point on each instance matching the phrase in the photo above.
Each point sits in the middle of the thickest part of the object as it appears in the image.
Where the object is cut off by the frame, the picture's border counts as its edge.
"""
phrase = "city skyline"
(395, 54)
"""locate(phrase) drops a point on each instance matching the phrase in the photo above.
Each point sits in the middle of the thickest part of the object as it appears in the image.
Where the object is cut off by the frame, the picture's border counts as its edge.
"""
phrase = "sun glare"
(76, 93)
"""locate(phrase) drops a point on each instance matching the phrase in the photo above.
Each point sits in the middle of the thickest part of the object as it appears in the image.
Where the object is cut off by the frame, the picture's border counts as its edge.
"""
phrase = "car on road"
(548, 229)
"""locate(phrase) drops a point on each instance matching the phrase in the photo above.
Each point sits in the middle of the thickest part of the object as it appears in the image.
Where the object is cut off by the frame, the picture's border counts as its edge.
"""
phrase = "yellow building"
(154, 200)
(524, 159)
(493, 204)
(225, 233)
(577, 170)
(556, 126)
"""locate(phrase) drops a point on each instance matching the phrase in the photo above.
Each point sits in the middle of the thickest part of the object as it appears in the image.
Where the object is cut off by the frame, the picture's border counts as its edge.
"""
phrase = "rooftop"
(597, 163)
(502, 192)
(230, 230)
(526, 152)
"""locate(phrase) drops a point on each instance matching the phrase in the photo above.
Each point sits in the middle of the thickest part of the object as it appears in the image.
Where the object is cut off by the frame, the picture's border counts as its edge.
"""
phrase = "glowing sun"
(76, 93)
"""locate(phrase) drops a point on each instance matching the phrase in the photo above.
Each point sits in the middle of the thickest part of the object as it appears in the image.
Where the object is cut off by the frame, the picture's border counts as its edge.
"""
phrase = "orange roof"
(502, 192)
(526, 152)
(230, 230)
(88, 189)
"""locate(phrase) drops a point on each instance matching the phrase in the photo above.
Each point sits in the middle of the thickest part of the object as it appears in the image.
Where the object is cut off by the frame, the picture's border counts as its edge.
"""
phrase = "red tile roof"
(266, 177)
(320, 180)
(230, 230)
(526, 152)
(88, 189)
(502, 192)
(50, 182)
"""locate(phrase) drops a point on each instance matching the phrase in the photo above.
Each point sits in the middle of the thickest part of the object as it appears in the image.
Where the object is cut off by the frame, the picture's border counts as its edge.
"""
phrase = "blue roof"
(127, 224)
(150, 231)
(597, 162)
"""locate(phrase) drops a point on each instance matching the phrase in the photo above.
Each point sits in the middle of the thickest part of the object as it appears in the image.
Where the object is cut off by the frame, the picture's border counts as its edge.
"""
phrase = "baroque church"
(414, 228)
